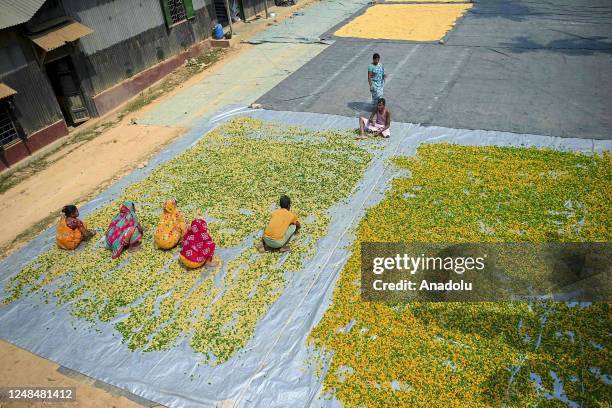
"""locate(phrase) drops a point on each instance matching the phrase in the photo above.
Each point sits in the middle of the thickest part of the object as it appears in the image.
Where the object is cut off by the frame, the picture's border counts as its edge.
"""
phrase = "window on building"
(8, 130)
(176, 11)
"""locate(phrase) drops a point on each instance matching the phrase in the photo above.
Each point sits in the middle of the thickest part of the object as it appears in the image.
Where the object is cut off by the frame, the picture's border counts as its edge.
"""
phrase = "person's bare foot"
(212, 263)
(361, 137)
(261, 247)
(284, 249)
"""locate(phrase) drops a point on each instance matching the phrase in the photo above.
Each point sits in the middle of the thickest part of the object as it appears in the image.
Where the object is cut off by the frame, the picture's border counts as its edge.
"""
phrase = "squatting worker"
(379, 122)
(124, 231)
(376, 78)
(71, 230)
(171, 226)
(198, 247)
(283, 224)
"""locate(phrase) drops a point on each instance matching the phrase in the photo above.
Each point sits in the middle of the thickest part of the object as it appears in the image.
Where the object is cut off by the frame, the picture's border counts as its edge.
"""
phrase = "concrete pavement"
(516, 66)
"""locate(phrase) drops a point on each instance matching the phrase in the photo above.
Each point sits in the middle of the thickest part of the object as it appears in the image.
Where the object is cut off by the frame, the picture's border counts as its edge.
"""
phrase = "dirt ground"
(22, 369)
(76, 173)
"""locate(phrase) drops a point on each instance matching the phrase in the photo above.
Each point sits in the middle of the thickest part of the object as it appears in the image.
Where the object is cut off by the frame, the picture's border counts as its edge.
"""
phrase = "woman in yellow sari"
(171, 227)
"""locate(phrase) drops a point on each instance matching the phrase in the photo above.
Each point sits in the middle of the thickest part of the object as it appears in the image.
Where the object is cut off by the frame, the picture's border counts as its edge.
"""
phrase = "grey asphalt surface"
(541, 67)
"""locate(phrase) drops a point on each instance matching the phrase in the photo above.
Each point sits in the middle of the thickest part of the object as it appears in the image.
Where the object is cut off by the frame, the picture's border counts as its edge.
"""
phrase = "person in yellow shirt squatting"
(283, 224)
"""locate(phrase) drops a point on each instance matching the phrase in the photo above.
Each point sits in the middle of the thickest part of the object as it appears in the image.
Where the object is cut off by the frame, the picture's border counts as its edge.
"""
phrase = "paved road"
(509, 65)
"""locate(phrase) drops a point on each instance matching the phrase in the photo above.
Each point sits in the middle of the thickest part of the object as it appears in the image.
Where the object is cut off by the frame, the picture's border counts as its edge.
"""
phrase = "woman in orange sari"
(171, 227)
(71, 230)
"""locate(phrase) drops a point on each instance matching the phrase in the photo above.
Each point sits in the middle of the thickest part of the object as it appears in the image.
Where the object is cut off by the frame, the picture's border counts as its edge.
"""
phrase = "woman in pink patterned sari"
(124, 230)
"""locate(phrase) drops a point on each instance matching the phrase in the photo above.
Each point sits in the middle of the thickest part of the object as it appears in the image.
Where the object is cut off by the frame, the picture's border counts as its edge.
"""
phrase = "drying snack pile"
(410, 22)
(475, 354)
(233, 177)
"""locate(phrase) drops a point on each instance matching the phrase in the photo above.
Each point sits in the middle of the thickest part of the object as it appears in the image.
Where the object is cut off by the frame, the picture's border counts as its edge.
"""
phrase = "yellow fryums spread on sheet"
(414, 22)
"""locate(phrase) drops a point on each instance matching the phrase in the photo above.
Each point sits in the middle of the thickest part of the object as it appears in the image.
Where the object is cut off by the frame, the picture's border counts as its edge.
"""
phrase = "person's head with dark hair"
(70, 211)
(285, 202)
(380, 105)
(375, 58)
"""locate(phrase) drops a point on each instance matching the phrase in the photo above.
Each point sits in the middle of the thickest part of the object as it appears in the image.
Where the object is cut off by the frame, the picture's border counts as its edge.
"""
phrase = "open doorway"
(221, 12)
(65, 84)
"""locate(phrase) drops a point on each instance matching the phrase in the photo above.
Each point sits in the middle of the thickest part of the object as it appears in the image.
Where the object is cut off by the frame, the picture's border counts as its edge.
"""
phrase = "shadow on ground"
(568, 46)
(361, 107)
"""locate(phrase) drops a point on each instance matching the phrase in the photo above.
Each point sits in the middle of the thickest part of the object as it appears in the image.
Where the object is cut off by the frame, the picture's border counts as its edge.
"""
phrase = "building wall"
(252, 8)
(35, 102)
(130, 36)
(36, 110)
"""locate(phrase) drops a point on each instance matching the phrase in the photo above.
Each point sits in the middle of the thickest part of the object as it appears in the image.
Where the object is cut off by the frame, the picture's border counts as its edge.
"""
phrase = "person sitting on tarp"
(71, 231)
(124, 231)
(379, 126)
(376, 78)
(171, 227)
(283, 224)
(198, 246)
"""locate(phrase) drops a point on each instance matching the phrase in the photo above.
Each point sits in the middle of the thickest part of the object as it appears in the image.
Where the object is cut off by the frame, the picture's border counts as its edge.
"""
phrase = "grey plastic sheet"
(309, 24)
(272, 370)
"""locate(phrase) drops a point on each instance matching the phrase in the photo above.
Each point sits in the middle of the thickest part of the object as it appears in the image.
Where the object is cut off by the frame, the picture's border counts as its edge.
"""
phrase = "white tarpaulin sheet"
(272, 371)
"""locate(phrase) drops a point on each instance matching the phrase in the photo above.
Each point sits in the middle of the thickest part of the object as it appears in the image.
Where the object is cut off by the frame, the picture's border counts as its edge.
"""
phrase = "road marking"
(401, 64)
(448, 83)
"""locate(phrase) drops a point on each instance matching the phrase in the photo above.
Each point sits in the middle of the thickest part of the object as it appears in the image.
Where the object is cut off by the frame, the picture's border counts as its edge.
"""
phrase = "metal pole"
(229, 17)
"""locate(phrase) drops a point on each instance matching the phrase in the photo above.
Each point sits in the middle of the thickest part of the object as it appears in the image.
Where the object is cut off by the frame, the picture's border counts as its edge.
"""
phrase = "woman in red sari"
(198, 247)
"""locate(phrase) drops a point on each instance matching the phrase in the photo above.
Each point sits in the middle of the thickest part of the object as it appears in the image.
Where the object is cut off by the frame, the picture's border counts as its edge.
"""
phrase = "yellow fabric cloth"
(171, 227)
(66, 237)
(279, 222)
(191, 264)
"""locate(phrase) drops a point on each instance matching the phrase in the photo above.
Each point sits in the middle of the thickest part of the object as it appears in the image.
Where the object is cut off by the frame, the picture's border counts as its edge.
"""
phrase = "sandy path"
(23, 369)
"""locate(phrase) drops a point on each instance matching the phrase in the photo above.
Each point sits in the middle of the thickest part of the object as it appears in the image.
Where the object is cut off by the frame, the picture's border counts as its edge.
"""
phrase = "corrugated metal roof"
(13, 12)
(6, 91)
(58, 36)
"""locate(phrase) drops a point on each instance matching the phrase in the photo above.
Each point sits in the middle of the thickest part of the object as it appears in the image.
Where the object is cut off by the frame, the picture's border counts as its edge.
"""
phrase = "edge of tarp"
(271, 370)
